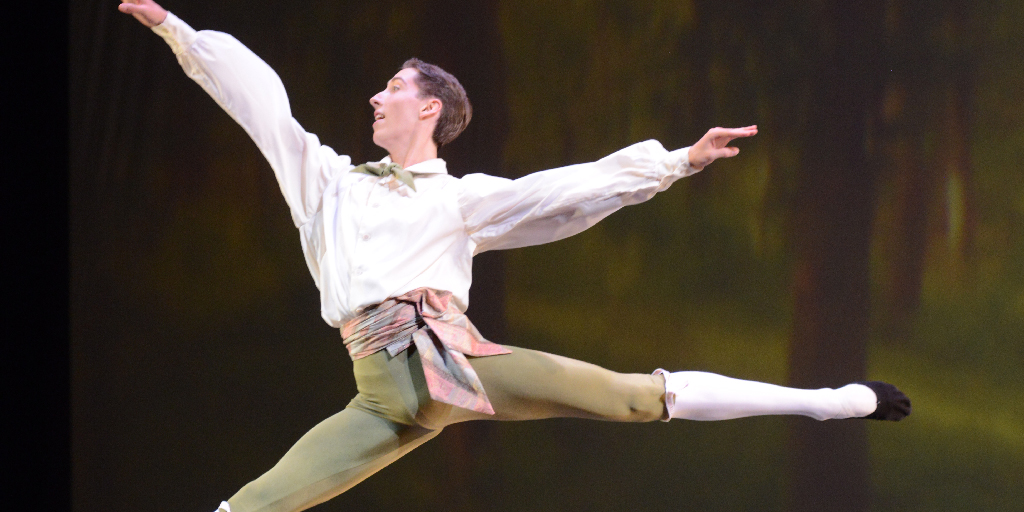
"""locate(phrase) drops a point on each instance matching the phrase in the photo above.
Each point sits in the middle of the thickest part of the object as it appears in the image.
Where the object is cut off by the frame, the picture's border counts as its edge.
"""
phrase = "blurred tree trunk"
(465, 40)
(963, 68)
(958, 132)
(909, 117)
(927, 117)
(832, 234)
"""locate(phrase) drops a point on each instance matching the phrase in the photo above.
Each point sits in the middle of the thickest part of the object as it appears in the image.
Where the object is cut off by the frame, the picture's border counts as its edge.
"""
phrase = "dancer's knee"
(638, 398)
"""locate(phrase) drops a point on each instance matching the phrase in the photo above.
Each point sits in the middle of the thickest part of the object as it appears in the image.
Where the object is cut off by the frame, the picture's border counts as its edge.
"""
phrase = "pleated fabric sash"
(399, 322)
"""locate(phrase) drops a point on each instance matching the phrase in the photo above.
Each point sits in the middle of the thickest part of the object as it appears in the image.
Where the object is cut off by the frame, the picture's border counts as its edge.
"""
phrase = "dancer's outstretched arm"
(551, 205)
(253, 95)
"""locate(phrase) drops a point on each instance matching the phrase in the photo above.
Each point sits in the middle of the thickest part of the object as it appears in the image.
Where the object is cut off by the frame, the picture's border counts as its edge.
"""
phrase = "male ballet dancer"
(390, 247)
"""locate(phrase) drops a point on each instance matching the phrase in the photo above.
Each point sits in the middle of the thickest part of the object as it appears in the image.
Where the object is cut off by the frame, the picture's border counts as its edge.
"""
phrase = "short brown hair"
(455, 108)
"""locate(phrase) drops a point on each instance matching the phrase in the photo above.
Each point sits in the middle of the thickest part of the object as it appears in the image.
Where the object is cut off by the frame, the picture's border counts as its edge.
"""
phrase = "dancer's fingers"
(728, 152)
(148, 12)
(715, 144)
(722, 136)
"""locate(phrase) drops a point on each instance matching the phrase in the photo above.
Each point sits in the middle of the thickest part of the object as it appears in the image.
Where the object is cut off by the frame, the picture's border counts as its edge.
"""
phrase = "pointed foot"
(893, 405)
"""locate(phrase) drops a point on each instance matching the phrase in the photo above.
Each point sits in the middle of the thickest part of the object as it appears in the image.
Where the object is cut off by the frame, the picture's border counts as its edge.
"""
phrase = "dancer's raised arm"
(253, 95)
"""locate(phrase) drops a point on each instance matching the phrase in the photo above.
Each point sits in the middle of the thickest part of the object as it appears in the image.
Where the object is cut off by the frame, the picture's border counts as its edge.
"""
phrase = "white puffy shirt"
(367, 238)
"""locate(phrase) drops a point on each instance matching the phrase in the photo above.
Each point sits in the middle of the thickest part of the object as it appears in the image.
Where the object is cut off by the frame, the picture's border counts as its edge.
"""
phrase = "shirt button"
(376, 205)
(359, 271)
(366, 237)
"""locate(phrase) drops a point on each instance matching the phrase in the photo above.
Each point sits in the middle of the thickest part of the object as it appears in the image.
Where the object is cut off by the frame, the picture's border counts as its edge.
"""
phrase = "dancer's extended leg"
(335, 455)
(377, 428)
(528, 384)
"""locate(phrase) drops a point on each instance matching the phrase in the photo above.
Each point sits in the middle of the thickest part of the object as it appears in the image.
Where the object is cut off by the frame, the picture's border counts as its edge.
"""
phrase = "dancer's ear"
(430, 108)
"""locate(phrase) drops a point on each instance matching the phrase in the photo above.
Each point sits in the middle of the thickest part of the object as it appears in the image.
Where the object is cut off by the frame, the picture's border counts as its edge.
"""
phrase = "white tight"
(709, 397)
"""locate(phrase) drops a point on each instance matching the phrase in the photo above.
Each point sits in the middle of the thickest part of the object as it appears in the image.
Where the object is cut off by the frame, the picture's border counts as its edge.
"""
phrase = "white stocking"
(708, 397)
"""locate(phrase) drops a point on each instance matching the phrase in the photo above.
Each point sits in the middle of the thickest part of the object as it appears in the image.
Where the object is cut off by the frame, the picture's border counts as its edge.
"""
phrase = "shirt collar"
(432, 166)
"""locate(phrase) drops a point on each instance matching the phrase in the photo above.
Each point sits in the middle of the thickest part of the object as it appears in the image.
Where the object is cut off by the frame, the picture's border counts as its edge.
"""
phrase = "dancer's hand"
(715, 144)
(148, 12)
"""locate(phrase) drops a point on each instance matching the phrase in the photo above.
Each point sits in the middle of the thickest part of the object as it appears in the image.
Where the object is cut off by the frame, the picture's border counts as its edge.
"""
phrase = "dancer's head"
(421, 97)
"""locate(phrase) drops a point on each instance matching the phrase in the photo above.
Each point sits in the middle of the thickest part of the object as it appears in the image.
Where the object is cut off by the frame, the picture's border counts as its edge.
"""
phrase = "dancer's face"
(399, 111)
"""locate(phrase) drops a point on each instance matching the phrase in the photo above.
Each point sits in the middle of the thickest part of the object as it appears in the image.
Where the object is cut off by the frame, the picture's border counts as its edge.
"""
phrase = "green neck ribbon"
(383, 170)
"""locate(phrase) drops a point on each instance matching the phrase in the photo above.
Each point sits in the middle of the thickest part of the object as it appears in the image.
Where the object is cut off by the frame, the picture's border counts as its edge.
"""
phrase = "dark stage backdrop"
(873, 229)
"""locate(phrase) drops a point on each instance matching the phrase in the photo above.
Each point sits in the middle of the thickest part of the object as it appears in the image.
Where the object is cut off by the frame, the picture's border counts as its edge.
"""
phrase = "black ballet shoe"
(893, 405)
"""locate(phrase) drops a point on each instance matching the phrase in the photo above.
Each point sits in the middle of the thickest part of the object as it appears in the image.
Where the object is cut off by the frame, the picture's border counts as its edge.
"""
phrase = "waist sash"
(410, 319)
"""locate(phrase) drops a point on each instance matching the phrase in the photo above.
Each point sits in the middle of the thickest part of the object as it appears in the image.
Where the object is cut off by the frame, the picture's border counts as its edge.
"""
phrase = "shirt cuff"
(176, 33)
(679, 162)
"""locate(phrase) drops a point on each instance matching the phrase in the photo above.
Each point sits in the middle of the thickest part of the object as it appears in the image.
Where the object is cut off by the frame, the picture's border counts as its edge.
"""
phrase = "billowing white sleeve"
(551, 205)
(252, 93)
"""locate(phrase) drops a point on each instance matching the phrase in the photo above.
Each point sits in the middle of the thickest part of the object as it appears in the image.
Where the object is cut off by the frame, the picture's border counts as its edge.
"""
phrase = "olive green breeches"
(393, 414)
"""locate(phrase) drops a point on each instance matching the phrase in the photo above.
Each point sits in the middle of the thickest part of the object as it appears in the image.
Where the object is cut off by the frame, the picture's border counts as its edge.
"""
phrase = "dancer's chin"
(378, 140)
